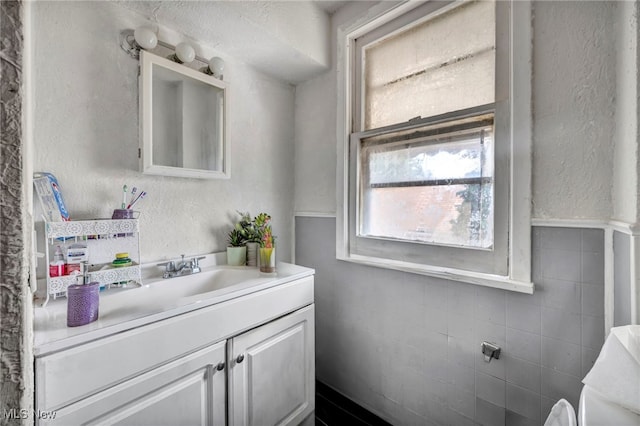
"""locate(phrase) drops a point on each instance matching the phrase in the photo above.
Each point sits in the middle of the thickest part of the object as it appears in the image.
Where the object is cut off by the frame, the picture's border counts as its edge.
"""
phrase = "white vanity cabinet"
(245, 361)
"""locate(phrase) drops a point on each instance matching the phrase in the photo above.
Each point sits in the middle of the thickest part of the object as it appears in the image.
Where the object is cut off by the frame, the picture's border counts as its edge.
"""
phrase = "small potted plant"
(252, 237)
(236, 250)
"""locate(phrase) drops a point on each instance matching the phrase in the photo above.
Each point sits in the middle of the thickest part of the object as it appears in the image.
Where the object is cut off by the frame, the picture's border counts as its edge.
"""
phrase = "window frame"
(515, 194)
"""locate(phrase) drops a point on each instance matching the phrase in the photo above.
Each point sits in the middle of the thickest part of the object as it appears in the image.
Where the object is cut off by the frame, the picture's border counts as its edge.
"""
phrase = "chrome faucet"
(183, 268)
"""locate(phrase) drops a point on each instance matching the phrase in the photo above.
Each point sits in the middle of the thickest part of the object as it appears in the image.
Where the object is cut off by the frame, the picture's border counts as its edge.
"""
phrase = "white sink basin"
(163, 294)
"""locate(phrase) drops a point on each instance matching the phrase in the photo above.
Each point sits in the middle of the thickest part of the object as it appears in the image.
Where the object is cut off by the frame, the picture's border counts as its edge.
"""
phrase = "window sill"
(477, 278)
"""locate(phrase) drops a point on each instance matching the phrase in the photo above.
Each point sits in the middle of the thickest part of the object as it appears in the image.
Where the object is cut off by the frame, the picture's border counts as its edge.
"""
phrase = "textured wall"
(626, 174)
(407, 347)
(574, 87)
(315, 156)
(86, 133)
(15, 364)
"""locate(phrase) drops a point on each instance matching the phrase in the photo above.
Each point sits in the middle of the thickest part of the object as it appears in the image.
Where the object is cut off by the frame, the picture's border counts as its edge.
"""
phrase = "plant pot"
(252, 254)
(236, 256)
(267, 259)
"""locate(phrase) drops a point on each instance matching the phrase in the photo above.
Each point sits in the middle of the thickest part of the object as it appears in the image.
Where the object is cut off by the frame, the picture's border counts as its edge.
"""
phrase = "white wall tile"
(491, 305)
(523, 402)
(593, 268)
(561, 264)
(523, 345)
(562, 295)
(559, 238)
(561, 356)
(523, 316)
(488, 414)
(523, 373)
(561, 325)
(461, 401)
(461, 351)
(491, 389)
(592, 297)
(461, 376)
(592, 240)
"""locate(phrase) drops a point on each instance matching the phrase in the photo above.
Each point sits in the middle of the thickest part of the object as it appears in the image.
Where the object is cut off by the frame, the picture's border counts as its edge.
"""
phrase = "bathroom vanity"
(225, 346)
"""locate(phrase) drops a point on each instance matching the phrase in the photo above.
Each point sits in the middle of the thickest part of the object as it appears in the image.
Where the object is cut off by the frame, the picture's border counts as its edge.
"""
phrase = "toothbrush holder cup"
(125, 214)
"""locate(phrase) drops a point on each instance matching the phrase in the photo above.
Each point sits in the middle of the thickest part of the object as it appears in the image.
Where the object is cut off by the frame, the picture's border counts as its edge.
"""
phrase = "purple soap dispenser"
(83, 301)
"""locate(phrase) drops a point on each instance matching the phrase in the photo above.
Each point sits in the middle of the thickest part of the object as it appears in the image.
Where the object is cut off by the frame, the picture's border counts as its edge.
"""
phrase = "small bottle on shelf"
(57, 266)
(122, 260)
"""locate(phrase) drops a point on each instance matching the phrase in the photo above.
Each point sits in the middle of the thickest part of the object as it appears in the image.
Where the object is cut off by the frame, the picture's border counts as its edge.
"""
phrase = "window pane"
(444, 64)
(456, 215)
(434, 189)
(465, 158)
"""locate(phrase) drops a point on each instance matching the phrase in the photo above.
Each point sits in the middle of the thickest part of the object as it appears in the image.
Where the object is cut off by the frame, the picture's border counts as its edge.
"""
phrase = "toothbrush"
(134, 199)
(141, 196)
(124, 196)
(133, 193)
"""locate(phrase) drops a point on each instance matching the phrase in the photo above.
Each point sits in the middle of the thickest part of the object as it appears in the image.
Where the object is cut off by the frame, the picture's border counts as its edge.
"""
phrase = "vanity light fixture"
(184, 54)
(132, 41)
(215, 67)
(145, 38)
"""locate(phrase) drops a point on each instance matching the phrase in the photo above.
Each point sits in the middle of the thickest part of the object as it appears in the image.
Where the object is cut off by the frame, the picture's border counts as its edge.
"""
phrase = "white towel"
(616, 372)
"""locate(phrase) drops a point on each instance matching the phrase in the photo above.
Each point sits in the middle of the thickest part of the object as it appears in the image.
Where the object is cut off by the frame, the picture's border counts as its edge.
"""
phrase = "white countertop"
(155, 300)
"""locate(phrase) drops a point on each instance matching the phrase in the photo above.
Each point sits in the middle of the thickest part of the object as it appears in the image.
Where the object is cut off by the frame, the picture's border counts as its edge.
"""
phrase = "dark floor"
(334, 409)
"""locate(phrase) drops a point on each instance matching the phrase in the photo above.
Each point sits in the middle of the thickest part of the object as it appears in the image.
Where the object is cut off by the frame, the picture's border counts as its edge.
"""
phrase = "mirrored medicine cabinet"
(182, 121)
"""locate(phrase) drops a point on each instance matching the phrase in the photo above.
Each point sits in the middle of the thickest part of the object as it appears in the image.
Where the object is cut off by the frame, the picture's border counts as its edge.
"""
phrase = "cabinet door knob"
(240, 358)
(220, 366)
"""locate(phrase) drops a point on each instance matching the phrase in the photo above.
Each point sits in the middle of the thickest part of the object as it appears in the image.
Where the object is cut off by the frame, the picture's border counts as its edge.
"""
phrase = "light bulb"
(216, 66)
(185, 53)
(145, 37)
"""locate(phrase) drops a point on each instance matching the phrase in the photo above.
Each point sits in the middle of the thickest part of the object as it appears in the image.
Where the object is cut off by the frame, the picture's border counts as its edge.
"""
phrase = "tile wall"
(622, 276)
(407, 347)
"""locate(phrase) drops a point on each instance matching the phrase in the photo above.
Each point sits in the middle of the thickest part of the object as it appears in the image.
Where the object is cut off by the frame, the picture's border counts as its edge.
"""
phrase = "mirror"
(182, 116)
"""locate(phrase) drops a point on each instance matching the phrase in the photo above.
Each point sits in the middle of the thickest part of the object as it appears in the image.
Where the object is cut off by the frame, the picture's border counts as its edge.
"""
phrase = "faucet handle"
(195, 260)
(194, 263)
(169, 266)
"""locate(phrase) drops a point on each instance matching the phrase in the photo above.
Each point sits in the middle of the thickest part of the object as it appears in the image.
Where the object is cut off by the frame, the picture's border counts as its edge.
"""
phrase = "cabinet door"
(272, 372)
(187, 391)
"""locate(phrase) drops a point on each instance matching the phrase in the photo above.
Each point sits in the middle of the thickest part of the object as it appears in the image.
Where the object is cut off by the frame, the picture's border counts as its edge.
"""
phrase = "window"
(430, 185)
(430, 179)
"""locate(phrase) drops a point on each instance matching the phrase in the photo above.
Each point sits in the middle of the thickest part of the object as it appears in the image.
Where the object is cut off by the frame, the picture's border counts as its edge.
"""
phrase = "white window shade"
(446, 63)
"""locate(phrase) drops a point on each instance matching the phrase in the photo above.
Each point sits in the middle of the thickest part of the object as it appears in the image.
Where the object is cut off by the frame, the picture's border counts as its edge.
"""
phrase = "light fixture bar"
(145, 38)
